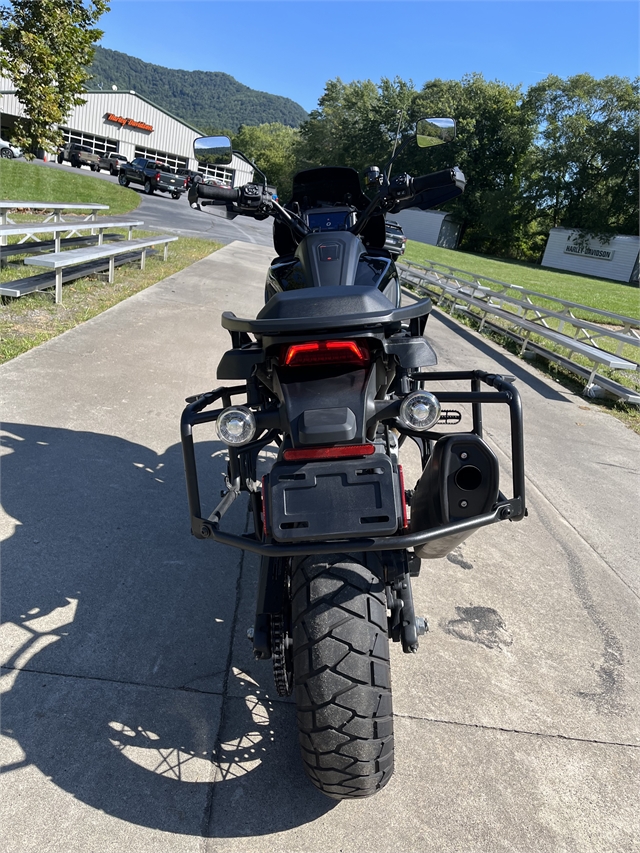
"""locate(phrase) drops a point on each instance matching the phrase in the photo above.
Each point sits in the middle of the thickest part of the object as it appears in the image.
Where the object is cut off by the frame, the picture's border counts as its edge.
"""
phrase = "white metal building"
(616, 259)
(429, 226)
(133, 126)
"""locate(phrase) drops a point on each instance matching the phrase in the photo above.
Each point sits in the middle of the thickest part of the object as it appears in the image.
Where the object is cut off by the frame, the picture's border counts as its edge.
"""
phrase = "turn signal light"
(420, 410)
(236, 425)
(307, 454)
(326, 352)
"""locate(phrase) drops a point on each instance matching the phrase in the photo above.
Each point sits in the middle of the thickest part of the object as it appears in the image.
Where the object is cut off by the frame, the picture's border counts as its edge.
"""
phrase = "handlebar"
(445, 178)
(217, 193)
(257, 201)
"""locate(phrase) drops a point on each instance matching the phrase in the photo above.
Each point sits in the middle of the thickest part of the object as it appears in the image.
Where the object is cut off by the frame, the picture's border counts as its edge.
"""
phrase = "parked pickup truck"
(78, 155)
(153, 176)
(188, 174)
(395, 239)
(111, 162)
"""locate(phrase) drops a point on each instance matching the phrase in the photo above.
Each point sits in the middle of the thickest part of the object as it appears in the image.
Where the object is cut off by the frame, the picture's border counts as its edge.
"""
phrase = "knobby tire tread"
(342, 677)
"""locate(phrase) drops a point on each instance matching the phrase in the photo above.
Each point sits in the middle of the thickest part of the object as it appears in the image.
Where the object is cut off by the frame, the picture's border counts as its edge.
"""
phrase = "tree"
(355, 123)
(272, 147)
(583, 171)
(495, 130)
(46, 47)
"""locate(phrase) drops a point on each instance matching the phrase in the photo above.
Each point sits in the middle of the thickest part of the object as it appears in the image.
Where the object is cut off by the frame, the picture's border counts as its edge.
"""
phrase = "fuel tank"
(330, 259)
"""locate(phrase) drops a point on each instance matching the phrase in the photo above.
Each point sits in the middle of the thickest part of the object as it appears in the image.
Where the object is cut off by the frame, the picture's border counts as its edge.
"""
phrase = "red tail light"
(157, 176)
(307, 454)
(326, 352)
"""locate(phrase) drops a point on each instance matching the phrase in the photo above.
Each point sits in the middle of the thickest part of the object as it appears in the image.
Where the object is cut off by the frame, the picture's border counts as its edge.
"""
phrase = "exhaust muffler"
(460, 481)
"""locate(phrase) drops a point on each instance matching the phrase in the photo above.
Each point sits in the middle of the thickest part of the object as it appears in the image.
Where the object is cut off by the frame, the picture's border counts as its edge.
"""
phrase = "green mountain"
(205, 99)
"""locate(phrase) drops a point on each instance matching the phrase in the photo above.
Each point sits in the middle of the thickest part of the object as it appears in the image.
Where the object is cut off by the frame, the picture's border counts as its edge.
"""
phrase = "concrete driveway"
(134, 717)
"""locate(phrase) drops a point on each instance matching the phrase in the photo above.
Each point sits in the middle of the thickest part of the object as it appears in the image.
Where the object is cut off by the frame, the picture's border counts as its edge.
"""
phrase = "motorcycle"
(335, 375)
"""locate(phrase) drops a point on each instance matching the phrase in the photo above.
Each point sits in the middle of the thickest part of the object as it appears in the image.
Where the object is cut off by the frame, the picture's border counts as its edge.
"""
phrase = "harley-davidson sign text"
(129, 122)
(588, 251)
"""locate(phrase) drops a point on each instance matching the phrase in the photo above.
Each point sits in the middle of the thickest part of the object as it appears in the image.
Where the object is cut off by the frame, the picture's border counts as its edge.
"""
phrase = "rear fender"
(326, 406)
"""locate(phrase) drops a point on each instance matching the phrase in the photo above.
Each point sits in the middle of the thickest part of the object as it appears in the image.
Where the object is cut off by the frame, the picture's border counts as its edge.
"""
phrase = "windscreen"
(328, 185)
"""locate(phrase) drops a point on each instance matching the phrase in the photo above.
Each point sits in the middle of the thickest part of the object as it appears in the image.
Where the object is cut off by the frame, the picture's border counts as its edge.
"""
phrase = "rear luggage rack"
(301, 311)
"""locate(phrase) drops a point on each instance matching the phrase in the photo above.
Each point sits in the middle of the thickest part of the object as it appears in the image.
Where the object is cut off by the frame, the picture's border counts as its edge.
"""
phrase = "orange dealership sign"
(129, 122)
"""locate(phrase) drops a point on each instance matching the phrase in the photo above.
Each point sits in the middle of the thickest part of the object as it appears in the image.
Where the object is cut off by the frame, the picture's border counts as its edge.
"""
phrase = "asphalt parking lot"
(134, 716)
(159, 211)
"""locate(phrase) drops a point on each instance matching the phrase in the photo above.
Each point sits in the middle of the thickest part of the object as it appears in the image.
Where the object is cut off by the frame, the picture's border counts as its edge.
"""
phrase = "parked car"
(111, 162)
(212, 182)
(78, 155)
(153, 176)
(395, 239)
(8, 150)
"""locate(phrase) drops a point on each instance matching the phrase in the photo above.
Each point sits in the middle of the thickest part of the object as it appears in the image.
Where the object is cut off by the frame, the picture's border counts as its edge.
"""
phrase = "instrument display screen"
(332, 220)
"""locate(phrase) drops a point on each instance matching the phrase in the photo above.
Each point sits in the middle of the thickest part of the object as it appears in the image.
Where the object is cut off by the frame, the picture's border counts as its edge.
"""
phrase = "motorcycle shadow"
(116, 641)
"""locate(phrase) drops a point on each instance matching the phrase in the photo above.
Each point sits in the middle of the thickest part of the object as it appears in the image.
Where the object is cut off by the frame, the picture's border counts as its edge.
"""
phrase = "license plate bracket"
(332, 499)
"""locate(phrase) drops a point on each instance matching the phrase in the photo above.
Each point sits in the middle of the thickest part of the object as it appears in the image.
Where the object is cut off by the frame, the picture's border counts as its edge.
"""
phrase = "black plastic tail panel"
(343, 391)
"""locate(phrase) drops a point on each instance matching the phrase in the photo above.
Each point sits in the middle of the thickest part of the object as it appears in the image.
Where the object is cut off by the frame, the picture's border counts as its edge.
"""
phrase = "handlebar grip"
(217, 193)
(445, 178)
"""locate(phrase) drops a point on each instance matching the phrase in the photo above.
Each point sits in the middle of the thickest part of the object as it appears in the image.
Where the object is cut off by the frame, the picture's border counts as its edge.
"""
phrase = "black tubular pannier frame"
(513, 509)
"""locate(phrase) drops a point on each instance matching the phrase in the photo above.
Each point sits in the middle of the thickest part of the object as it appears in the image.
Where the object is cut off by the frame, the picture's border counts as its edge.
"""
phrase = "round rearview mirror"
(213, 150)
(435, 131)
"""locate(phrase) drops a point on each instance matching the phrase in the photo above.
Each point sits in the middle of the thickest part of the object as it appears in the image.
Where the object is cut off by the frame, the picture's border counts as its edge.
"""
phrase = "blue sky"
(292, 48)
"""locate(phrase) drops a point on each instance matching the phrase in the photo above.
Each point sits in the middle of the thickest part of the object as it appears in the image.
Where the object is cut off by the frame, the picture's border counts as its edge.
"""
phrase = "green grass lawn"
(596, 292)
(25, 181)
(30, 320)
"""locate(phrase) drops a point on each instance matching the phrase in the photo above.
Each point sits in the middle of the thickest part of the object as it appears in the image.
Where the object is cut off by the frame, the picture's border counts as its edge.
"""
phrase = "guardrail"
(520, 314)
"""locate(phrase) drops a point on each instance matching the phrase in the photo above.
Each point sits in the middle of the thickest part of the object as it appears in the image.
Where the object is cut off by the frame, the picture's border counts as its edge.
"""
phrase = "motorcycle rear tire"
(342, 676)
